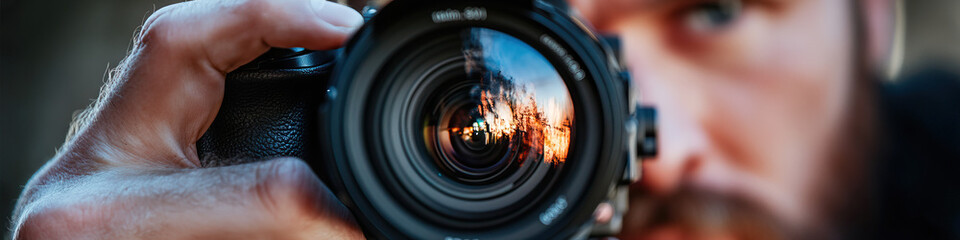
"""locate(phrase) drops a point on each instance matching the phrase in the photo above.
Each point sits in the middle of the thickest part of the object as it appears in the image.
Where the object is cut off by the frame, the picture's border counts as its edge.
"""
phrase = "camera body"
(450, 119)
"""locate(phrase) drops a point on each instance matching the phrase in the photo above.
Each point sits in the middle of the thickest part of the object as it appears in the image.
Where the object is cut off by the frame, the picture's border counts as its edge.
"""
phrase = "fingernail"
(337, 15)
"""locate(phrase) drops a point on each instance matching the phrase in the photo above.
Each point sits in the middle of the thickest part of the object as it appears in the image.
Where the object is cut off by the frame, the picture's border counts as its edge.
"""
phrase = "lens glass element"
(506, 106)
(474, 124)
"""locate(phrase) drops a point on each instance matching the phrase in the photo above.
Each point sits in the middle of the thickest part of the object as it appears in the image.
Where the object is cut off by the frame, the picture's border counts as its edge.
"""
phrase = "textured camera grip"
(265, 114)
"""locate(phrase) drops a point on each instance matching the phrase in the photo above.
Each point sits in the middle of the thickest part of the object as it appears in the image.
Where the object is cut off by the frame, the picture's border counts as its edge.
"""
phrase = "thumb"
(277, 199)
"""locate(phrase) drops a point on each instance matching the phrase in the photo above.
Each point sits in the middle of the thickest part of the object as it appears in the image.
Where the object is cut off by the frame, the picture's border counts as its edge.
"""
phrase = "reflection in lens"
(521, 92)
(478, 125)
(517, 109)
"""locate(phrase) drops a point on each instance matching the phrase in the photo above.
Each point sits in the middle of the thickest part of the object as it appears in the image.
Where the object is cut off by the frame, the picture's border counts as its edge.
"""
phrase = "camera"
(475, 119)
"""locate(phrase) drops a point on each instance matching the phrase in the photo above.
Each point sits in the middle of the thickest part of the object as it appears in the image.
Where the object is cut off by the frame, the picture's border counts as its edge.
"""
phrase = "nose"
(693, 153)
(683, 142)
(682, 148)
(687, 153)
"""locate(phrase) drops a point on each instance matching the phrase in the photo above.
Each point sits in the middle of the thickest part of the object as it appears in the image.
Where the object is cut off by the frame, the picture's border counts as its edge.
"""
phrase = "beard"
(695, 214)
(841, 212)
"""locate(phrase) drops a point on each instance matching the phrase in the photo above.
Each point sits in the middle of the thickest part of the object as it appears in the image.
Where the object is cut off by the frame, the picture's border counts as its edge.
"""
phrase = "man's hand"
(131, 170)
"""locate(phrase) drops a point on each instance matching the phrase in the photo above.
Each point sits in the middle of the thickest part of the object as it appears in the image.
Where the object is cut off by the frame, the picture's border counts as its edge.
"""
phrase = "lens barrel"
(474, 119)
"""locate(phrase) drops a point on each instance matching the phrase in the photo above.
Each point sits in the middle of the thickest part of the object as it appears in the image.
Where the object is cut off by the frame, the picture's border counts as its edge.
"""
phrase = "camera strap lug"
(647, 132)
(630, 171)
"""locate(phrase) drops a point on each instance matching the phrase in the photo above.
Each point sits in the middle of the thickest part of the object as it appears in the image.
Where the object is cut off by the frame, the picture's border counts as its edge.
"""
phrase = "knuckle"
(287, 188)
(255, 10)
(159, 27)
(252, 6)
(265, 15)
(58, 222)
(31, 228)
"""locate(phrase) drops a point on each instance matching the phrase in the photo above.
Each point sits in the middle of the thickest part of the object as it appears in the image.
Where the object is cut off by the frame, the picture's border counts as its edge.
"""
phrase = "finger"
(604, 213)
(167, 92)
(278, 199)
(233, 32)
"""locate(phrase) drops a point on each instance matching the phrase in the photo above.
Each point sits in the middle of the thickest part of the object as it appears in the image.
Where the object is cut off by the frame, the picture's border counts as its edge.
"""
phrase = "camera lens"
(476, 124)
(474, 120)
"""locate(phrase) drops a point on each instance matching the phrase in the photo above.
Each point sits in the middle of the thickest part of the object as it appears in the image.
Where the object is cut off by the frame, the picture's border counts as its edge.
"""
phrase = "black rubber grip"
(266, 113)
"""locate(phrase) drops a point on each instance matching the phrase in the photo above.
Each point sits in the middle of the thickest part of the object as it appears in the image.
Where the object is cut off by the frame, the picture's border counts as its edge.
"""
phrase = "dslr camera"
(440, 119)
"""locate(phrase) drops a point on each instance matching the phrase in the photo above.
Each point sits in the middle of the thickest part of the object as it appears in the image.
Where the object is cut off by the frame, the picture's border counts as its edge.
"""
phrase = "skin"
(748, 115)
(130, 171)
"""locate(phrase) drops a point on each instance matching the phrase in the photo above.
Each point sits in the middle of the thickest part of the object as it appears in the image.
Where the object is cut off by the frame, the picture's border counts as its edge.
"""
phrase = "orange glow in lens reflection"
(545, 129)
(523, 100)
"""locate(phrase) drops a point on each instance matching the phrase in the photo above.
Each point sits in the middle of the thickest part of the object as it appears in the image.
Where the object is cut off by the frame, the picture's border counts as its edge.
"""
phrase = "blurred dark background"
(54, 56)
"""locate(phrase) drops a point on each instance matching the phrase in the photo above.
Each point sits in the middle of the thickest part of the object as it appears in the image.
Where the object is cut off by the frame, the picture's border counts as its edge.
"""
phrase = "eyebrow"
(643, 3)
(654, 4)
(650, 4)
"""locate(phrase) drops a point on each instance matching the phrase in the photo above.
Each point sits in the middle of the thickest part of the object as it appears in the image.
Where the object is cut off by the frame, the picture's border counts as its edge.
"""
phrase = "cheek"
(757, 105)
(789, 83)
(767, 95)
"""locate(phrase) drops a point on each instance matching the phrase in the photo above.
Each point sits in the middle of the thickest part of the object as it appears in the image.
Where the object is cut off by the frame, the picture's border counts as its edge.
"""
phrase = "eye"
(711, 16)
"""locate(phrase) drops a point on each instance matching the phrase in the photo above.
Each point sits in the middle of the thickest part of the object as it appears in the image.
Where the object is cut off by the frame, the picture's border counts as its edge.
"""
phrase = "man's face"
(751, 97)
